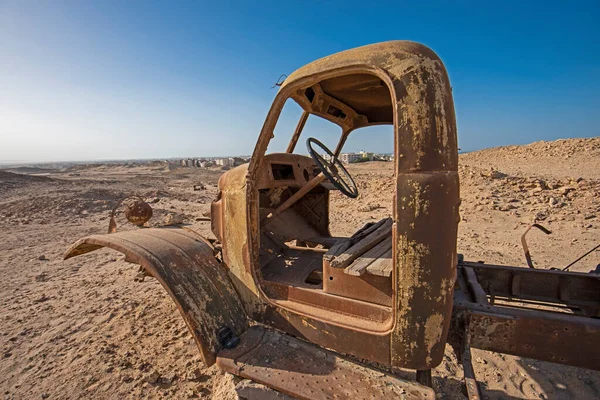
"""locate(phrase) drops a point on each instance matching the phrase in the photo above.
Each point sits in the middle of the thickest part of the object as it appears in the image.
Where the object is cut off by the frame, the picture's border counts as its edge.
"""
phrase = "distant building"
(364, 155)
(348, 158)
(225, 162)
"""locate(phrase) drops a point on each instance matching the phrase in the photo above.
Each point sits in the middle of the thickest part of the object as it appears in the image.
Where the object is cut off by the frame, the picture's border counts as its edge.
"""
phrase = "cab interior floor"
(296, 267)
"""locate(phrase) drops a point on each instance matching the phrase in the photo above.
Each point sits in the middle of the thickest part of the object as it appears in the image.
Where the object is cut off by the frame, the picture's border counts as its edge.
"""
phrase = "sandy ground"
(84, 328)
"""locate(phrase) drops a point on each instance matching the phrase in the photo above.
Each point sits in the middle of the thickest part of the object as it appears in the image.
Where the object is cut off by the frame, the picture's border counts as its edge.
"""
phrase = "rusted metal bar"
(297, 132)
(475, 287)
(424, 377)
(524, 242)
(574, 289)
(473, 391)
(316, 181)
(542, 335)
(582, 257)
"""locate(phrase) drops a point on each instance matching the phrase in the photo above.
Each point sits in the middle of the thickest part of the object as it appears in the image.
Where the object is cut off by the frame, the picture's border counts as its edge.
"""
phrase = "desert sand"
(87, 328)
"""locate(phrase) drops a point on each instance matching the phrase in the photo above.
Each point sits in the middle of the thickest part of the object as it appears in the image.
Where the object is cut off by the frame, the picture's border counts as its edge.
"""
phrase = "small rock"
(540, 216)
(369, 207)
(194, 375)
(165, 381)
(41, 299)
(495, 174)
(152, 378)
(541, 184)
(173, 219)
(506, 207)
(589, 216)
(481, 360)
(43, 258)
(565, 190)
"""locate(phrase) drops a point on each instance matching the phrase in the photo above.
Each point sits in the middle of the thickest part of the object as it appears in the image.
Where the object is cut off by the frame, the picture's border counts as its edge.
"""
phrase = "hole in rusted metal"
(310, 94)
(336, 112)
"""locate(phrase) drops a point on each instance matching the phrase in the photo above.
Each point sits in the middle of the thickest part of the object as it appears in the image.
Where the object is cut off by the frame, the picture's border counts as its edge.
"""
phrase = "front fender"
(185, 265)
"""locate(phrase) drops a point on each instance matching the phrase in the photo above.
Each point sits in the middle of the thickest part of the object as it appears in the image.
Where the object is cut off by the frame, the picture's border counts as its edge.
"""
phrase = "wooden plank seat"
(368, 250)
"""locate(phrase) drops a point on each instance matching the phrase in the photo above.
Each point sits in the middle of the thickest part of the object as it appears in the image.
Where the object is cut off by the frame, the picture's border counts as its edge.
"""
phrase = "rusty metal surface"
(473, 390)
(137, 211)
(541, 335)
(297, 132)
(547, 315)
(524, 242)
(186, 267)
(425, 268)
(475, 287)
(367, 346)
(305, 371)
(573, 289)
(369, 288)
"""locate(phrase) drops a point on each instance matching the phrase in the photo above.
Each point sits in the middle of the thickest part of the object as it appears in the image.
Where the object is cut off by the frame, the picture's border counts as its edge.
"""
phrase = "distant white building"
(348, 158)
(366, 155)
(225, 162)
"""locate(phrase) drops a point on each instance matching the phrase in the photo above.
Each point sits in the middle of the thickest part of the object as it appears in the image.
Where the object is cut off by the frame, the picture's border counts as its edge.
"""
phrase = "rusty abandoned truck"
(278, 300)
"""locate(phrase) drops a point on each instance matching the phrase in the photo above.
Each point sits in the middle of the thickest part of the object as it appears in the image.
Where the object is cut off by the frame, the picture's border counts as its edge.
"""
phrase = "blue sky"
(84, 80)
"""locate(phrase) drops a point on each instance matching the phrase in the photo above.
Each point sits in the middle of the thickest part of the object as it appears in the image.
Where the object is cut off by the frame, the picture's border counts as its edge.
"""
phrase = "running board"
(306, 371)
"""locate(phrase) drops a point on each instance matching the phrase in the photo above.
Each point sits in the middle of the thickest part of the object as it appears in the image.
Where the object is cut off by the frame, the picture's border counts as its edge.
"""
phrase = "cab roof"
(354, 99)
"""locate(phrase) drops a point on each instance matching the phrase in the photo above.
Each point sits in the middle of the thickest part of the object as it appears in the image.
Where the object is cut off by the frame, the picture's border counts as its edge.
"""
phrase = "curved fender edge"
(185, 265)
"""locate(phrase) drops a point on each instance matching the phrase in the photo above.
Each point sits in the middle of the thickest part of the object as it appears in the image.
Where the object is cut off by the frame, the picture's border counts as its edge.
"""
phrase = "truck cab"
(383, 294)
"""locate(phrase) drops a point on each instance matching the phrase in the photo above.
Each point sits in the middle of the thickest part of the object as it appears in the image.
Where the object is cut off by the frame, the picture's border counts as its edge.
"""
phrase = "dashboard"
(285, 169)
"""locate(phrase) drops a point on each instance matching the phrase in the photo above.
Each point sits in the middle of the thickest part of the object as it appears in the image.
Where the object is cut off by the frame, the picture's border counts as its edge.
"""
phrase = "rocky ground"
(85, 328)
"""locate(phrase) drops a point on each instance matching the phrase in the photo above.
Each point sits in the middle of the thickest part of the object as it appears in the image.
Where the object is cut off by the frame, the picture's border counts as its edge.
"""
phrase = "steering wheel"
(333, 169)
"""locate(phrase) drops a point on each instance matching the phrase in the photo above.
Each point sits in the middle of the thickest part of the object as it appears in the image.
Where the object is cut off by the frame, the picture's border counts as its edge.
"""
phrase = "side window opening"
(286, 125)
(368, 155)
